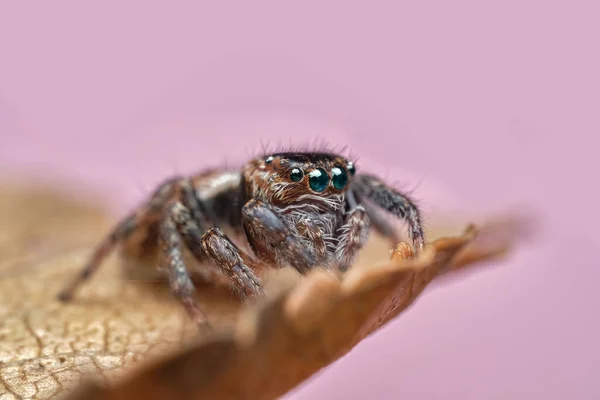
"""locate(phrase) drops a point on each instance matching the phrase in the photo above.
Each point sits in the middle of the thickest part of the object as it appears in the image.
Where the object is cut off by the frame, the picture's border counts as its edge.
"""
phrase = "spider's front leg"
(215, 246)
(381, 224)
(272, 240)
(181, 225)
(393, 202)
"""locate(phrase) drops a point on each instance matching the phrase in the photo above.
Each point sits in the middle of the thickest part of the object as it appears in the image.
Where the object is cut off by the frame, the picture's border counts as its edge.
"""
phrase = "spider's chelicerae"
(298, 209)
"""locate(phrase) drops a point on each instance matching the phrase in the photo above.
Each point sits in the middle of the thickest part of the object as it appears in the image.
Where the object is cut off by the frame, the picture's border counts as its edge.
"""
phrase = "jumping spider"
(298, 209)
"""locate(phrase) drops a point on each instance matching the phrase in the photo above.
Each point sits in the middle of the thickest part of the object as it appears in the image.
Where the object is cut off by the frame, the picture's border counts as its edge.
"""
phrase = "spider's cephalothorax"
(303, 210)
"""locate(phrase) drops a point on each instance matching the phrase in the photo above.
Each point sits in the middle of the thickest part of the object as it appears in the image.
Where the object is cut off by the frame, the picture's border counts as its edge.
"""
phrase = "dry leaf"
(115, 323)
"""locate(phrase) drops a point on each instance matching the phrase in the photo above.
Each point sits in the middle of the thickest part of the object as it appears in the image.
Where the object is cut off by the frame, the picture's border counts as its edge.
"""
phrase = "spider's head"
(292, 178)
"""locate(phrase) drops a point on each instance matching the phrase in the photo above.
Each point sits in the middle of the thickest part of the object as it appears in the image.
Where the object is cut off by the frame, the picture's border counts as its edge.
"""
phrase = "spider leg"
(120, 232)
(381, 224)
(394, 202)
(272, 240)
(179, 279)
(215, 246)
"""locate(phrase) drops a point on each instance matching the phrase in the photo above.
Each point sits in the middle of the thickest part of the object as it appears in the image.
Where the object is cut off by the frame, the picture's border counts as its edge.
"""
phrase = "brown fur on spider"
(298, 209)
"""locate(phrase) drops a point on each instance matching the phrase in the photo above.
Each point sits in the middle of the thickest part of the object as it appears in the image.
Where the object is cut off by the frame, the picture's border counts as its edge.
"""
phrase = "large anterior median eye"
(339, 177)
(318, 179)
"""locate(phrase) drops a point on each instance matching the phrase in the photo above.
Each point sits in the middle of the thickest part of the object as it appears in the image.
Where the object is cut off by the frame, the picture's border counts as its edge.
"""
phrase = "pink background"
(471, 106)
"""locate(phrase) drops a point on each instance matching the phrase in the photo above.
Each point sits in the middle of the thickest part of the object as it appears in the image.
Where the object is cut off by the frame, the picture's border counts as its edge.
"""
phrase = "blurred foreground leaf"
(261, 351)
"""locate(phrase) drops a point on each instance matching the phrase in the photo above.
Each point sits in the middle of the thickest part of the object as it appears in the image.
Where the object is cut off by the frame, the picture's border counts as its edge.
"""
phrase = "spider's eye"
(269, 160)
(339, 177)
(318, 180)
(296, 175)
(351, 168)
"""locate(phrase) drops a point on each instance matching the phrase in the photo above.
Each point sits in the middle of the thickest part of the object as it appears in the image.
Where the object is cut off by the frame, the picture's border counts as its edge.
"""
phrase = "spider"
(297, 209)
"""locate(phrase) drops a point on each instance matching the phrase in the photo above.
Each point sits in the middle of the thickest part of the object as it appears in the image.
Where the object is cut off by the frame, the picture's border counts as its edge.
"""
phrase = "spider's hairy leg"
(272, 239)
(119, 233)
(353, 236)
(220, 251)
(395, 203)
(179, 279)
(381, 224)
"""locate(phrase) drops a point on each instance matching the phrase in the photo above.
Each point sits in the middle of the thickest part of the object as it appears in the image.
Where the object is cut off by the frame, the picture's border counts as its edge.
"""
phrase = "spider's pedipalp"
(353, 235)
(273, 240)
